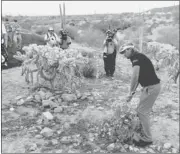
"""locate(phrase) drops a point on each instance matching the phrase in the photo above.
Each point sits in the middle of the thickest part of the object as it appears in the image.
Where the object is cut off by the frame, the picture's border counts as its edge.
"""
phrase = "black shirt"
(147, 75)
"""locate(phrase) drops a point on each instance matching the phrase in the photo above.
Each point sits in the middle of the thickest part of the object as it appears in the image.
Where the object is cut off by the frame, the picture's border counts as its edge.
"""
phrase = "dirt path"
(13, 84)
(19, 131)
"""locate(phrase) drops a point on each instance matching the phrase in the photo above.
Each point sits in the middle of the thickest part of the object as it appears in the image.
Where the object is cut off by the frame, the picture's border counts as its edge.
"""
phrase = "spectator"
(51, 38)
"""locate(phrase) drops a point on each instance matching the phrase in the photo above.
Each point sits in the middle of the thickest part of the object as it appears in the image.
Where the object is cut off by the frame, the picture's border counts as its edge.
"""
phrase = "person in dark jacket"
(143, 74)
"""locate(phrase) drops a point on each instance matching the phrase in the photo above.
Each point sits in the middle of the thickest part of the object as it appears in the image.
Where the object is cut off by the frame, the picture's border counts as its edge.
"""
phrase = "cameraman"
(51, 38)
(65, 40)
(109, 55)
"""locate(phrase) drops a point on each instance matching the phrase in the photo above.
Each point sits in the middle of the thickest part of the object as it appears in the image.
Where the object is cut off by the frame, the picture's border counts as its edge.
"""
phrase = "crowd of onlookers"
(52, 39)
(11, 33)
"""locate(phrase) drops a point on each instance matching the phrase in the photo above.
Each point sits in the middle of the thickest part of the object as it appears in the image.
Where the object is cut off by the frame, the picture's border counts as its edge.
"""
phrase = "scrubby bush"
(32, 39)
(26, 24)
(89, 69)
(85, 26)
(41, 30)
(168, 16)
(158, 16)
(137, 22)
(92, 38)
(154, 20)
(162, 22)
(101, 26)
(176, 16)
(169, 35)
(88, 54)
(72, 32)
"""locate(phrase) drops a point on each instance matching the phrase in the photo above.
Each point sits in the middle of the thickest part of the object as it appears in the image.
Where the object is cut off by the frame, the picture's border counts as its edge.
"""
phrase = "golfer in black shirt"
(143, 73)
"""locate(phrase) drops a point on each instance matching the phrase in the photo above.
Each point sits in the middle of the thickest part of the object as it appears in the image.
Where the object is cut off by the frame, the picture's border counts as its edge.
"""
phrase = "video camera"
(109, 39)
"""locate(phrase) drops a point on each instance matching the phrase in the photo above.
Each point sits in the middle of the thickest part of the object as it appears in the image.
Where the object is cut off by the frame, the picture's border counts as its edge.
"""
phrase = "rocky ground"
(41, 121)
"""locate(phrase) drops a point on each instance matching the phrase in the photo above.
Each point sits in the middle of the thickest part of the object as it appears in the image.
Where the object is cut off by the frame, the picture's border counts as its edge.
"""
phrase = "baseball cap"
(50, 29)
(125, 47)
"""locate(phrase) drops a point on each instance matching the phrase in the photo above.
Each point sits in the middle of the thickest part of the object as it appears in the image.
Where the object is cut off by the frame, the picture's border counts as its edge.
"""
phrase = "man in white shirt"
(4, 43)
(51, 38)
(4, 35)
(109, 54)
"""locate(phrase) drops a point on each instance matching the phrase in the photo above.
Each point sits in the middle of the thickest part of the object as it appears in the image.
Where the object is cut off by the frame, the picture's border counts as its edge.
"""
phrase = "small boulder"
(59, 151)
(174, 150)
(167, 145)
(54, 142)
(29, 99)
(47, 115)
(150, 150)
(18, 98)
(32, 147)
(131, 148)
(59, 132)
(135, 149)
(42, 95)
(47, 103)
(37, 98)
(39, 121)
(90, 98)
(100, 108)
(52, 98)
(75, 104)
(58, 109)
(78, 94)
(126, 146)
(59, 100)
(84, 97)
(69, 97)
(65, 140)
(20, 102)
(142, 151)
(47, 132)
(11, 109)
(48, 95)
(111, 147)
(38, 136)
(66, 126)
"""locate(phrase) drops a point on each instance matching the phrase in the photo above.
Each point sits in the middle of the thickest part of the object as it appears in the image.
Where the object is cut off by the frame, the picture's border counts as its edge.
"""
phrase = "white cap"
(50, 29)
(126, 46)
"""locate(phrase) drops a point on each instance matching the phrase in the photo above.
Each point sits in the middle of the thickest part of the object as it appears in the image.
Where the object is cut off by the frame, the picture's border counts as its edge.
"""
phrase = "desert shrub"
(137, 22)
(41, 30)
(104, 25)
(158, 16)
(148, 30)
(175, 16)
(168, 16)
(101, 26)
(162, 22)
(153, 26)
(86, 25)
(88, 54)
(72, 32)
(92, 38)
(132, 36)
(169, 35)
(89, 69)
(26, 24)
(134, 28)
(147, 39)
(32, 39)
